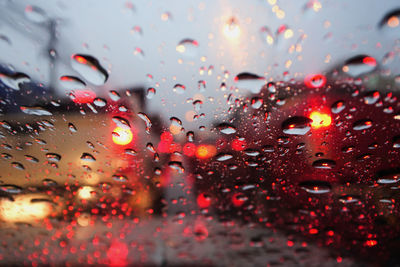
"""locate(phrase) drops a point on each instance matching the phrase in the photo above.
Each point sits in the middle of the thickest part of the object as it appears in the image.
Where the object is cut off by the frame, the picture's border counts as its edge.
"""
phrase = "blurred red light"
(238, 144)
(83, 96)
(166, 137)
(369, 61)
(315, 80)
(203, 201)
(189, 149)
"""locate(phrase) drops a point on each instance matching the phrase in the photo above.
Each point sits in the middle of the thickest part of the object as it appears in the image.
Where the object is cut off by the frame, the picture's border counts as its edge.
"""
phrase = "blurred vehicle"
(316, 158)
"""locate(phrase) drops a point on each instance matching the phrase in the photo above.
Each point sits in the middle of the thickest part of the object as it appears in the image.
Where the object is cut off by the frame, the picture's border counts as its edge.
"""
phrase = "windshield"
(199, 133)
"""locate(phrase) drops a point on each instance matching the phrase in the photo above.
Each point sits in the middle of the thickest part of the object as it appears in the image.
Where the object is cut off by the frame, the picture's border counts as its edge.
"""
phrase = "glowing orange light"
(393, 22)
(80, 59)
(320, 119)
(205, 151)
(122, 136)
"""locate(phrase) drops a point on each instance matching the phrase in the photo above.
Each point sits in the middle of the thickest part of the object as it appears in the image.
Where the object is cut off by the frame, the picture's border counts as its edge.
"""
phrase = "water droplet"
(226, 128)
(197, 105)
(359, 65)
(389, 178)
(14, 81)
(202, 85)
(121, 122)
(88, 157)
(396, 141)
(150, 93)
(223, 157)
(130, 152)
(266, 35)
(315, 187)
(38, 111)
(11, 189)
(114, 95)
(391, 20)
(151, 148)
(31, 159)
(72, 128)
(18, 166)
(176, 165)
(146, 119)
(49, 182)
(35, 14)
(256, 102)
(53, 157)
(338, 107)
(349, 199)
(71, 82)
(175, 121)
(315, 80)
(297, 125)
(371, 97)
(362, 124)
(6, 156)
(90, 69)
(179, 89)
(190, 136)
(119, 178)
(249, 81)
(100, 102)
(188, 47)
(324, 164)
(252, 152)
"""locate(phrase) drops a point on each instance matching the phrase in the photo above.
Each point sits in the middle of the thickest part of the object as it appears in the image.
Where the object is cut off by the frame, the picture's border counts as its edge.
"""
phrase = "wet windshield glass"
(199, 133)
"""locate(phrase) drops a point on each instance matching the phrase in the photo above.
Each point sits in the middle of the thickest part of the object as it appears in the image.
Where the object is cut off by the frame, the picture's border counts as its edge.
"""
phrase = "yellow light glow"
(22, 209)
(317, 6)
(393, 22)
(122, 136)
(320, 120)
(181, 48)
(84, 219)
(269, 39)
(288, 34)
(205, 151)
(85, 192)
(232, 29)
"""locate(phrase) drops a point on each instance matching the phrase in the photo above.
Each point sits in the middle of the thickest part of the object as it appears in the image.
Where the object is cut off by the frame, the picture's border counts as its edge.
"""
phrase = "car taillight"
(122, 136)
(189, 149)
(83, 96)
(320, 119)
(205, 151)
